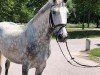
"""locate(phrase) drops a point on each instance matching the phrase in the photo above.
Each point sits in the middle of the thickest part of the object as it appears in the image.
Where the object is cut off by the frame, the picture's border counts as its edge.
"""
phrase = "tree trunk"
(97, 22)
(83, 16)
(88, 20)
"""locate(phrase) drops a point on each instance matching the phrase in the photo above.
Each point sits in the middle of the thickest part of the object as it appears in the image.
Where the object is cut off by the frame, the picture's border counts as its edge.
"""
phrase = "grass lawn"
(75, 31)
(94, 54)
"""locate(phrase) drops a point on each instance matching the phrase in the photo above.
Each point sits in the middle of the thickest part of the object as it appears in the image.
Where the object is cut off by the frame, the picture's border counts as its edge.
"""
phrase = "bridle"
(51, 22)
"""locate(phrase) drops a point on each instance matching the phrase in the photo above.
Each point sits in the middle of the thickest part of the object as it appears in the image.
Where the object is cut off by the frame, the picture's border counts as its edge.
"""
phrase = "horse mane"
(39, 23)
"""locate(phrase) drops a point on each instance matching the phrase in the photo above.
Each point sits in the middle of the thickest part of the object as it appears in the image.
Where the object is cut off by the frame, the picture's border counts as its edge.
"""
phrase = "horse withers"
(29, 46)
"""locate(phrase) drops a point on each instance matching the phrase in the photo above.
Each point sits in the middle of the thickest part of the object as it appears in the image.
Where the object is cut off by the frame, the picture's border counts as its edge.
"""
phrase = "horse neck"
(38, 28)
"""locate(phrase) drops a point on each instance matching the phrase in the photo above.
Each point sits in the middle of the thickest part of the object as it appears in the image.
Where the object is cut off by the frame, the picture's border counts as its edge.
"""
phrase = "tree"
(87, 10)
(36, 4)
(19, 10)
(72, 15)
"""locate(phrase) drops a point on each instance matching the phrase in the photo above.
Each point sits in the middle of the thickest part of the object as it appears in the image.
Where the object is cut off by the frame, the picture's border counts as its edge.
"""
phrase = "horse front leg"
(7, 65)
(40, 69)
(25, 69)
(0, 63)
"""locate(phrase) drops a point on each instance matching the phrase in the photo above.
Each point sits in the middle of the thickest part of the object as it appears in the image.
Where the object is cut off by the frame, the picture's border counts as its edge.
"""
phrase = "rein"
(73, 59)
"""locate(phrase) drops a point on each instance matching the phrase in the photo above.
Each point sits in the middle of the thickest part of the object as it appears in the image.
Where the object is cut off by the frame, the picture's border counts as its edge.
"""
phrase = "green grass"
(95, 52)
(79, 25)
(94, 55)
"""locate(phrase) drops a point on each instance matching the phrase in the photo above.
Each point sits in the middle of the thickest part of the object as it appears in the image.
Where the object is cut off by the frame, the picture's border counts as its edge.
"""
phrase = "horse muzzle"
(62, 35)
(61, 38)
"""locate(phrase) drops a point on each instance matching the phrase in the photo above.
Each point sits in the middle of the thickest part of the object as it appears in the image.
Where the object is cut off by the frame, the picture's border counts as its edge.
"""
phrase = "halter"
(53, 26)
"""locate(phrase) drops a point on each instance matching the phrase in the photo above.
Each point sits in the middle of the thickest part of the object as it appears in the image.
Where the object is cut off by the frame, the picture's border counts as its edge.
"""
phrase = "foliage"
(37, 4)
(85, 11)
(23, 10)
(19, 10)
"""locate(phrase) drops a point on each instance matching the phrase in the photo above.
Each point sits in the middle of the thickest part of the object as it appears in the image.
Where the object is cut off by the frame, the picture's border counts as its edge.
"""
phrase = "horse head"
(58, 18)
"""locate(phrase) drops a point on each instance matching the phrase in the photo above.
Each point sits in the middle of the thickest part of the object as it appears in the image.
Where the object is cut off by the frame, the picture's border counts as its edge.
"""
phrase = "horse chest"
(38, 53)
(34, 49)
(39, 59)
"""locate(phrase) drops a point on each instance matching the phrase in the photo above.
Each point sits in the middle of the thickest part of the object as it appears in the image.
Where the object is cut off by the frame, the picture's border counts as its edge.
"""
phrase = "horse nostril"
(65, 38)
(59, 36)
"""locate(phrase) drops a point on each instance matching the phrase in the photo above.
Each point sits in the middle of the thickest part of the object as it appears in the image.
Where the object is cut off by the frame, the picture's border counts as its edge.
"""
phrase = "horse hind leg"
(0, 63)
(7, 65)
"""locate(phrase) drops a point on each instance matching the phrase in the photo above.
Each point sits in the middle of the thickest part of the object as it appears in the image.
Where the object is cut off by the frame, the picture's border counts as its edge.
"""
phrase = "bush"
(79, 25)
(79, 33)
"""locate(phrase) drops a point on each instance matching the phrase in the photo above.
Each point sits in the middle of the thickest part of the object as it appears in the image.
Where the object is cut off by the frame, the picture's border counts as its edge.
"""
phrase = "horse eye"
(54, 12)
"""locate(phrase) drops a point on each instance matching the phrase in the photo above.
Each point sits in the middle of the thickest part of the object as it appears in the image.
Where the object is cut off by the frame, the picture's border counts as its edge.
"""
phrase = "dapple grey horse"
(29, 46)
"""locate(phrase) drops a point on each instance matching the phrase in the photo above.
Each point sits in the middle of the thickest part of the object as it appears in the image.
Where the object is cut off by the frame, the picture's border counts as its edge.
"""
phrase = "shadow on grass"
(84, 34)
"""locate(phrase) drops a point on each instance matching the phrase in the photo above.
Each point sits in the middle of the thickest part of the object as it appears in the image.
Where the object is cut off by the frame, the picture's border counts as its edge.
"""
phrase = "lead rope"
(65, 56)
(73, 59)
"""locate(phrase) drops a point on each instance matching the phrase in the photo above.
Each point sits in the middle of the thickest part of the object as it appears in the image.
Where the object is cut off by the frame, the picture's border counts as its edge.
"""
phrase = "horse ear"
(65, 1)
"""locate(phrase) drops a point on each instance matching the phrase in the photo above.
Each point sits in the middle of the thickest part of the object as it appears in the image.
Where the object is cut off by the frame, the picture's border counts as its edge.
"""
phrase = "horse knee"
(7, 64)
(0, 64)
(0, 70)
